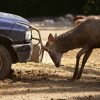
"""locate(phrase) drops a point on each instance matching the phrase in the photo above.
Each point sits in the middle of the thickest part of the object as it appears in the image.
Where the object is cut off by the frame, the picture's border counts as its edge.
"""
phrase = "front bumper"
(23, 51)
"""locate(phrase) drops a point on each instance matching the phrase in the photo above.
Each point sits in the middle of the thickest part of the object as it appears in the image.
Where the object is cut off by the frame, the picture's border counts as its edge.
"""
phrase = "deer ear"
(50, 38)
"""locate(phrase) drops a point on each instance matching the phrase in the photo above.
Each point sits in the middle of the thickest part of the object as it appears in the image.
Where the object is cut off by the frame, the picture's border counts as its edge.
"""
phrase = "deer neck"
(66, 42)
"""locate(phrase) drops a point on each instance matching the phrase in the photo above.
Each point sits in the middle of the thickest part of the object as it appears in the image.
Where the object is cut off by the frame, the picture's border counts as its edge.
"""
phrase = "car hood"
(8, 21)
(16, 18)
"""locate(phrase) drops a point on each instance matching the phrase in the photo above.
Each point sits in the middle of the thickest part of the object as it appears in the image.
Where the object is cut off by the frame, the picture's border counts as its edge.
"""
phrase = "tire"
(5, 62)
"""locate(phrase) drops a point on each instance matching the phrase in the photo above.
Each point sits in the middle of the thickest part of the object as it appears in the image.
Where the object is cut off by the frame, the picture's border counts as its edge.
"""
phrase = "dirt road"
(35, 81)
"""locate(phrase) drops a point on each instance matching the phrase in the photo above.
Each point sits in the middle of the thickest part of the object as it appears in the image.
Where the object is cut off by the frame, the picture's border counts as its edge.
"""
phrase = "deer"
(85, 36)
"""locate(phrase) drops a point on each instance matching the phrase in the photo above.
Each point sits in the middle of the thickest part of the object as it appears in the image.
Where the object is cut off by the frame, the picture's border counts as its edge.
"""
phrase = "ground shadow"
(48, 86)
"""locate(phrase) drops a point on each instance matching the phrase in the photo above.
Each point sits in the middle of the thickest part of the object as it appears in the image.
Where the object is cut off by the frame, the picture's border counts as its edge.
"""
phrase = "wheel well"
(7, 44)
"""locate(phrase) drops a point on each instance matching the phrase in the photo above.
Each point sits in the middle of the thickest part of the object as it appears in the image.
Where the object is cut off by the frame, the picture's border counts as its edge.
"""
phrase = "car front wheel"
(5, 62)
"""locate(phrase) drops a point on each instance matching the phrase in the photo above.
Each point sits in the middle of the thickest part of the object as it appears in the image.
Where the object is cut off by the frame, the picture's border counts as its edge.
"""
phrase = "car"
(15, 41)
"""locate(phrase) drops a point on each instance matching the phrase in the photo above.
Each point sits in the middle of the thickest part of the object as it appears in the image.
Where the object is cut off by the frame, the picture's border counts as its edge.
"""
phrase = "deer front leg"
(85, 58)
(80, 53)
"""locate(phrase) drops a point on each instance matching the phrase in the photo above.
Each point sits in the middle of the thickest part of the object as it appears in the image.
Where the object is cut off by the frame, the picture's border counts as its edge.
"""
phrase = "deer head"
(51, 48)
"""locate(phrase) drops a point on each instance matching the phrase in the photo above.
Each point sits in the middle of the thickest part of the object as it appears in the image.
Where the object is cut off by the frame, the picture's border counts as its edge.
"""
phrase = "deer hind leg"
(80, 53)
(85, 58)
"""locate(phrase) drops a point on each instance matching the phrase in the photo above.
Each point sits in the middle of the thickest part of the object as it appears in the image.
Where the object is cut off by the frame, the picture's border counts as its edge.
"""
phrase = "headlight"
(28, 35)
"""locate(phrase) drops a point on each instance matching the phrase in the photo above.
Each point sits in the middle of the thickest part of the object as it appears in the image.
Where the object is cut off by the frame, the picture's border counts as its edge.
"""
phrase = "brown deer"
(85, 36)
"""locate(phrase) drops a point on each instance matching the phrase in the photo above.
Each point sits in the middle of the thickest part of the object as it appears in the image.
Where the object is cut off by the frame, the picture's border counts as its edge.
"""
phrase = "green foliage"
(92, 7)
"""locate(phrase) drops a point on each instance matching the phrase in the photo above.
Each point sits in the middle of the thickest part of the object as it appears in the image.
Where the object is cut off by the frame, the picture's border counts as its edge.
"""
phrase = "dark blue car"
(15, 41)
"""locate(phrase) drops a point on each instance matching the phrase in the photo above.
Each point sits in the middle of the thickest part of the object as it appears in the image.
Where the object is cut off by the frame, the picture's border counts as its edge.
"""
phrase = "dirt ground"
(38, 81)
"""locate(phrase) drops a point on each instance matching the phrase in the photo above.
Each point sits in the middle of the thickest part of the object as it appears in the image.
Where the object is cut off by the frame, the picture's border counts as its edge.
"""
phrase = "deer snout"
(57, 65)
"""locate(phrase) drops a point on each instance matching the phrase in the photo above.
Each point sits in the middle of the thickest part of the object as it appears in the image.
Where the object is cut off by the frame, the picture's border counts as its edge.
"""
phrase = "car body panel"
(24, 51)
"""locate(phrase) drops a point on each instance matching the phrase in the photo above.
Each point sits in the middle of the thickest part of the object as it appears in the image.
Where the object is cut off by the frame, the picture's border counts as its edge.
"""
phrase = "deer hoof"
(78, 77)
